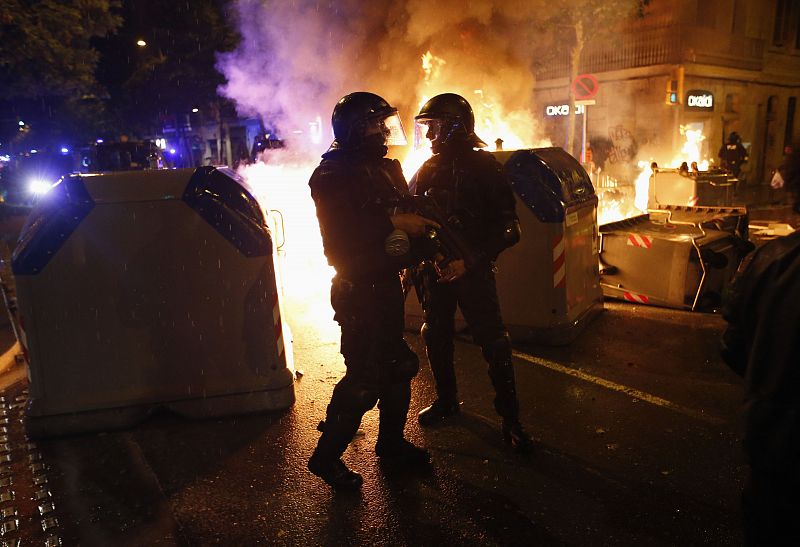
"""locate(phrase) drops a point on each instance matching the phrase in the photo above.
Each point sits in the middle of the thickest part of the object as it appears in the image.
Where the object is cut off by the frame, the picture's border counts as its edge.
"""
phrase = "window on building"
(788, 137)
(732, 102)
(706, 13)
(783, 12)
(772, 107)
(212, 148)
(739, 19)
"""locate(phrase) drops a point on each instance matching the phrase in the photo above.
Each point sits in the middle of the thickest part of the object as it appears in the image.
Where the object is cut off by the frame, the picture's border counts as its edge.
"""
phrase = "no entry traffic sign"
(584, 86)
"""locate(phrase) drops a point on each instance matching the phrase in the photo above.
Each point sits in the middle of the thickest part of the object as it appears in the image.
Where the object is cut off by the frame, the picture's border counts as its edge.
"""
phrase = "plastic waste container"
(676, 187)
(149, 289)
(683, 258)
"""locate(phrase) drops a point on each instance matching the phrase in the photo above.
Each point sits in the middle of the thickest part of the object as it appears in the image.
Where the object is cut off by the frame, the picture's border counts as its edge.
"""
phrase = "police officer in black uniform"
(472, 188)
(761, 344)
(351, 189)
(732, 154)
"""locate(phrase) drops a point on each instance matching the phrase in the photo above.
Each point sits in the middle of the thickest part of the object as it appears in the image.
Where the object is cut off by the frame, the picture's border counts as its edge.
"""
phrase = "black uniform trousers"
(380, 365)
(476, 295)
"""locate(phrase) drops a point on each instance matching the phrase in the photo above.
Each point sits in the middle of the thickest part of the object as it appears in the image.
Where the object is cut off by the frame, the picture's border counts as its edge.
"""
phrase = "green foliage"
(176, 70)
(45, 45)
(600, 19)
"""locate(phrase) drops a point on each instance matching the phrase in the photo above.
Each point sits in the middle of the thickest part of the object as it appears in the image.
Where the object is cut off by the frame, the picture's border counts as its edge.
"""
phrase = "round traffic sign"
(584, 86)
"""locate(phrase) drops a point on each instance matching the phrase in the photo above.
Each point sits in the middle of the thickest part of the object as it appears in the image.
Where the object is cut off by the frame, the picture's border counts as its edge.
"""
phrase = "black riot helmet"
(363, 118)
(446, 118)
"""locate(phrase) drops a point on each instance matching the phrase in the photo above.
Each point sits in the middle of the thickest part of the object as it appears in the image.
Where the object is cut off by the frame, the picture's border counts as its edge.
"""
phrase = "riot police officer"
(472, 188)
(760, 344)
(351, 188)
(732, 154)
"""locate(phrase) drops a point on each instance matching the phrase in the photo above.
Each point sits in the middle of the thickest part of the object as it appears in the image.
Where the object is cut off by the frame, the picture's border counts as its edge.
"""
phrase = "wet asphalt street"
(635, 426)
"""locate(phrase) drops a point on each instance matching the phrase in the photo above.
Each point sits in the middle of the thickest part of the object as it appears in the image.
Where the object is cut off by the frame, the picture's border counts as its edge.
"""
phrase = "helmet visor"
(392, 129)
(426, 131)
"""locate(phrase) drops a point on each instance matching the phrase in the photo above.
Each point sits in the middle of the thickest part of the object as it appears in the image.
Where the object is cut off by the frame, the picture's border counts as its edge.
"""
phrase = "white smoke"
(296, 59)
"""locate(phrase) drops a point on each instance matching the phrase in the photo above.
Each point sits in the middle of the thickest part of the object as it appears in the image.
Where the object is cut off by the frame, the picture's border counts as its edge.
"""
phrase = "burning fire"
(691, 150)
(300, 265)
(615, 199)
(281, 186)
(515, 128)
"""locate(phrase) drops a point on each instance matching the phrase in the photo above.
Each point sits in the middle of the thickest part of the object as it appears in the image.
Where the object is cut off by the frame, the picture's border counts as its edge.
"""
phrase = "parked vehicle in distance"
(23, 177)
(105, 157)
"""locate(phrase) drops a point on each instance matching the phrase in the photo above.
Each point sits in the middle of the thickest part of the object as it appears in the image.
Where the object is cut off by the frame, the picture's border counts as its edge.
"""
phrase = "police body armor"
(483, 214)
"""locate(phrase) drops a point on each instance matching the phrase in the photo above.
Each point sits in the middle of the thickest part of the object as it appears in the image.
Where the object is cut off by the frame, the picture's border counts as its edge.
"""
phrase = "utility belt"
(346, 292)
(357, 301)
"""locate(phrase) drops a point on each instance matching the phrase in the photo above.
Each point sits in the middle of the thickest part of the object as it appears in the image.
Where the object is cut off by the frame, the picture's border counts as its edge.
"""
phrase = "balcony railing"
(669, 44)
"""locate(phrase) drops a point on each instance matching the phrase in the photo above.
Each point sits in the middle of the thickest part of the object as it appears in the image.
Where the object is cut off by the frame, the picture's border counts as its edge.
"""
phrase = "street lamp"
(141, 43)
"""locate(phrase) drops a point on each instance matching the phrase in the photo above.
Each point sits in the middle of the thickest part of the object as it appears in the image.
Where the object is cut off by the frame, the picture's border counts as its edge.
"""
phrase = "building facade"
(710, 66)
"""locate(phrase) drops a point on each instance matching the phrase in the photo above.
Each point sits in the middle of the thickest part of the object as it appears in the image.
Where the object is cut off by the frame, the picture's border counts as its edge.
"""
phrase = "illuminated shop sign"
(700, 99)
(561, 109)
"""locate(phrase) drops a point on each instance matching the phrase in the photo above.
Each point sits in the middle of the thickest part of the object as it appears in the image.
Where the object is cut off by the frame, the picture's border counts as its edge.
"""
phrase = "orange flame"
(516, 128)
(620, 204)
(300, 265)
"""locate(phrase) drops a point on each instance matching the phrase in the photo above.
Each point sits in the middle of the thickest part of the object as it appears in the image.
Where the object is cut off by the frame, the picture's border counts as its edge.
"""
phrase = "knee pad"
(404, 368)
(434, 337)
(353, 397)
(498, 349)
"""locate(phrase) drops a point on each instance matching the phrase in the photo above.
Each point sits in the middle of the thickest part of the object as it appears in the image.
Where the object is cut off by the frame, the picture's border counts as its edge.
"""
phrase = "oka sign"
(561, 109)
(700, 100)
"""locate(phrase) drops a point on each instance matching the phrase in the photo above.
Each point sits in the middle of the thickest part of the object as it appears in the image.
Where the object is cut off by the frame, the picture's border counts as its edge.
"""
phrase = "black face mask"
(375, 144)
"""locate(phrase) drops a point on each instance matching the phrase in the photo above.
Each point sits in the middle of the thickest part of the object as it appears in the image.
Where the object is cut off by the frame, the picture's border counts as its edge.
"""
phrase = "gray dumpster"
(704, 188)
(680, 258)
(149, 289)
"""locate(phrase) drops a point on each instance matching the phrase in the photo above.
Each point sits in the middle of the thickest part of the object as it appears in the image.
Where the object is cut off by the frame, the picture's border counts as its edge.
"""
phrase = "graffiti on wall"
(624, 147)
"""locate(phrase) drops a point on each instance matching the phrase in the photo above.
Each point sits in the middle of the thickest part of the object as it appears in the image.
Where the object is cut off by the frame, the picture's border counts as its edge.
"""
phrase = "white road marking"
(641, 395)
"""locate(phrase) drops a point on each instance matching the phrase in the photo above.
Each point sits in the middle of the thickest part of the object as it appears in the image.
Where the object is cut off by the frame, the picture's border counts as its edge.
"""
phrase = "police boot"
(439, 348)
(507, 406)
(516, 437)
(337, 432)
(391, 443)
(335, 473)
(438, 412)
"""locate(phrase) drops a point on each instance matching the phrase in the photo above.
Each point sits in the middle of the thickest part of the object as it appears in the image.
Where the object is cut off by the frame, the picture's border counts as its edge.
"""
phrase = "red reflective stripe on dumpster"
(559, 266)
(636, 240)
(276, 321)
(640, 298)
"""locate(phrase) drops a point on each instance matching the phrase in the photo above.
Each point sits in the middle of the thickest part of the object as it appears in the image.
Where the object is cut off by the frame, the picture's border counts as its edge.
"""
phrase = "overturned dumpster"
(677, 256)
(147, 290)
